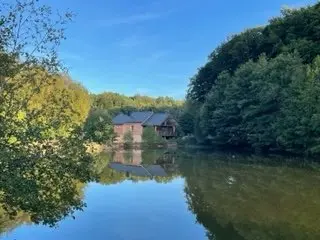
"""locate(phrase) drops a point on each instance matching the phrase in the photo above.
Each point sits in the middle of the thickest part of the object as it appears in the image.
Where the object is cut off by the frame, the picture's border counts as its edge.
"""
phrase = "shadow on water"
(232, 196)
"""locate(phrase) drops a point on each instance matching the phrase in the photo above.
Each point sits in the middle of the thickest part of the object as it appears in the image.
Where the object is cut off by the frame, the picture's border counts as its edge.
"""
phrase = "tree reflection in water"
(236, 199)
(46, 188)
(233, 197)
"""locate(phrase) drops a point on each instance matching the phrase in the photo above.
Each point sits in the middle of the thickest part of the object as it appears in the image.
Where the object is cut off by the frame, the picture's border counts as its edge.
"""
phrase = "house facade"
(162, 123)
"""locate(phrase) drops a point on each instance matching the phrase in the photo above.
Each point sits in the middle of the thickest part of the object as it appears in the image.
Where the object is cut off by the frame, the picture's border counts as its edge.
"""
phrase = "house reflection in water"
(132, 163)
(133, 157)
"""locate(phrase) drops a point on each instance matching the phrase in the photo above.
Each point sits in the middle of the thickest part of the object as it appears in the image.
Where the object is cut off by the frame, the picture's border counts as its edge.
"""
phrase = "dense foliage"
(98, 127)
(115, 103)
(259, 89)
(295, 30)
(151, 138)
(43, 157)
(128, 140)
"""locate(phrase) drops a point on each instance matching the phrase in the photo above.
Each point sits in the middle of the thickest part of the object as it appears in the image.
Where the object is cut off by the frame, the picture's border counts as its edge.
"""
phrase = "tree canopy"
(258, 90)
(296, 30)
(115, 103)
(43, 157)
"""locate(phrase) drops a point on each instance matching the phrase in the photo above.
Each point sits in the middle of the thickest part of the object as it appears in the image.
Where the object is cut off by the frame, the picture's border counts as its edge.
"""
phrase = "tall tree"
(251, 91)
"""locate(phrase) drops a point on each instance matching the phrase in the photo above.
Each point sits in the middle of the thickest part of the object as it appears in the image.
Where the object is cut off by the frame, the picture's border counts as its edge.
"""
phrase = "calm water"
(178, 195)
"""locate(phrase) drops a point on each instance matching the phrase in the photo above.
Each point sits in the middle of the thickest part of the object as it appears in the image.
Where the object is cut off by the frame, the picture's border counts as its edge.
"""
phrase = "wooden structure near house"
(163, 124)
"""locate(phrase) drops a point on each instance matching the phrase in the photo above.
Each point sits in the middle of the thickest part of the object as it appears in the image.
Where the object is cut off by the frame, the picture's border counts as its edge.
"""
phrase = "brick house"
(163, 124)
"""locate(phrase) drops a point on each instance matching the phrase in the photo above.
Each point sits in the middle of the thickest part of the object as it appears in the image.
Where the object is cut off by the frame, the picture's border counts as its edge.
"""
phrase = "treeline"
(115, 103)
(110, 100)
(260, 89)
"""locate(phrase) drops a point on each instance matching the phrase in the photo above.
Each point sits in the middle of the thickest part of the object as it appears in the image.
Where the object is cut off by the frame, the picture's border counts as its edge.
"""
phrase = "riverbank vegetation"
(151, 139)
(259, 89)
(43, 155)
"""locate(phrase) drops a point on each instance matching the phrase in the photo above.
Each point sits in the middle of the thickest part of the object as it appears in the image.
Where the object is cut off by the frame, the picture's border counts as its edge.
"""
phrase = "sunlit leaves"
(98, 127)
(43, 155)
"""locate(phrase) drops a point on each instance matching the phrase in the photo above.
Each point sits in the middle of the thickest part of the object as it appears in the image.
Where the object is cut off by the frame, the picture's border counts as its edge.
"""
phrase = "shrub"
(150, 137)
(128, 140)
(98, 127)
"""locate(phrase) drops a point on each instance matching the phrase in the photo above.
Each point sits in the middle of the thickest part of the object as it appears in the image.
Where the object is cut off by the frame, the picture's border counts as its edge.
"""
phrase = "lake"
(181, 195)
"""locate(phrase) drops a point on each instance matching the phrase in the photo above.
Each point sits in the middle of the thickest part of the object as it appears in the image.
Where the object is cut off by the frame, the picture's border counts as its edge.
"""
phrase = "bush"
(150, 137)
(128, 140)
(98, 127)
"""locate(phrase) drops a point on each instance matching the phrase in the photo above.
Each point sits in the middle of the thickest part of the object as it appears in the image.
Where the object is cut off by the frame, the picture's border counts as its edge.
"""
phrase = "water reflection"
(241, 197)
(237, 200)
(36, 189)
(137, 165)
(231, 196)
(159, 164)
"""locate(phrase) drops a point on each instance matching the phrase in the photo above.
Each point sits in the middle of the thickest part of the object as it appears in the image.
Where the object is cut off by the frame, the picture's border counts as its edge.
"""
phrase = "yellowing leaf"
(21, 115)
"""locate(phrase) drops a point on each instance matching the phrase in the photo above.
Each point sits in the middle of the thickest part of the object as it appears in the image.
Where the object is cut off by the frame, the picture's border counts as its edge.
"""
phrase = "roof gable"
(140, 116)
(147, 171)
(156, 119)
(122, 119)
(145, 118)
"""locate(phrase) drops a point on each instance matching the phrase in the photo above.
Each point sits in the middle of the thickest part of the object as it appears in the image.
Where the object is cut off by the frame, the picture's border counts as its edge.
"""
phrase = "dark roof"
(156, 119)
(146, 171)
(122, 119)
(156, 170)
(135, 170)
(141, 116)
(146, 118)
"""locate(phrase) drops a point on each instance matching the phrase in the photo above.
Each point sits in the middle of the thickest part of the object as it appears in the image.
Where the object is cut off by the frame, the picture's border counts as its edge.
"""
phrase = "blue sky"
(153, 47)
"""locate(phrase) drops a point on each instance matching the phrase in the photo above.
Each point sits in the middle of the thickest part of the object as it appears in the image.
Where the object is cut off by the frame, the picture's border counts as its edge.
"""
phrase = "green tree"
(41, 171)
(243, 109)
(151, 138)
(98, 127)
(239, 49)
(115, 103)
(186, 123)
(251, 91)
(298, 124)
(296, 30)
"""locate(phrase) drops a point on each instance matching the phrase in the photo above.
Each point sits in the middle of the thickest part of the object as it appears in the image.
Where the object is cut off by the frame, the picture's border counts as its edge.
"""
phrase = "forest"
(260, 88)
